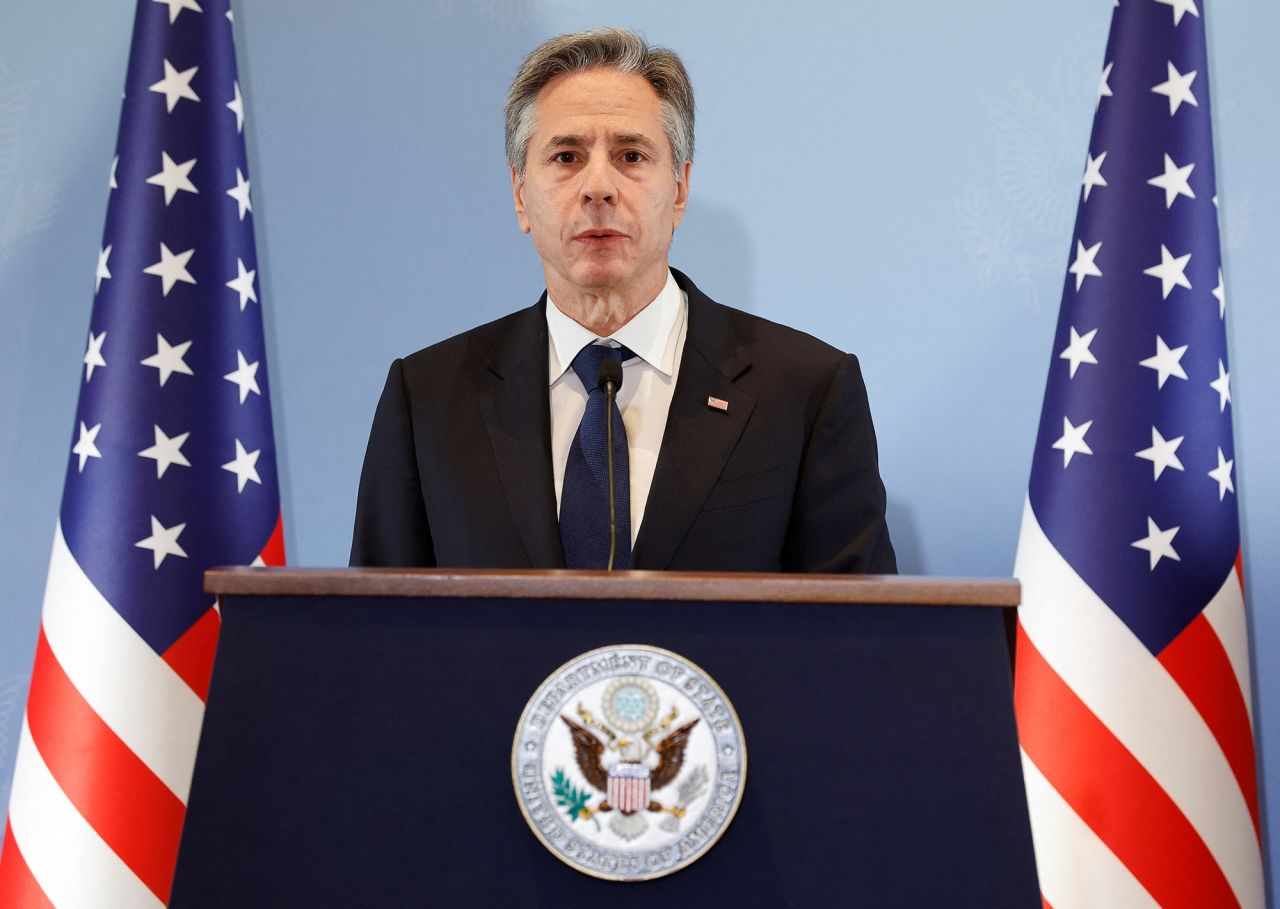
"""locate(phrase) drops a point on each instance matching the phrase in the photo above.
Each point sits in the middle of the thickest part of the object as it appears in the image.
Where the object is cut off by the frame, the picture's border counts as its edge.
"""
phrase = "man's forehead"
(567, 140)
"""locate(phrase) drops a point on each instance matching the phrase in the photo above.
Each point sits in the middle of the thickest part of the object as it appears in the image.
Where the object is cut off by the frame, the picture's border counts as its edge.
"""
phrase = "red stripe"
(18, 889)
(273, 552)
(191, 656)
(129, 807)
(1047, 904)
(1111, 791)
(1198, 662)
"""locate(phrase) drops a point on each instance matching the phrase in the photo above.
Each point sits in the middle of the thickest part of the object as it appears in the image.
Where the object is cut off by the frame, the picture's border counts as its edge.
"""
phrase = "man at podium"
(737, 444)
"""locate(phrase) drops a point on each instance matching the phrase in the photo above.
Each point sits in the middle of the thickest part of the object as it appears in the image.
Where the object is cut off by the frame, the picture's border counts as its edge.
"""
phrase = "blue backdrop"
(899, 179)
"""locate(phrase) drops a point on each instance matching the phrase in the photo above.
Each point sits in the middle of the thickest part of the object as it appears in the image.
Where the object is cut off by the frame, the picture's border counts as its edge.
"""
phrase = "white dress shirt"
(656, 336)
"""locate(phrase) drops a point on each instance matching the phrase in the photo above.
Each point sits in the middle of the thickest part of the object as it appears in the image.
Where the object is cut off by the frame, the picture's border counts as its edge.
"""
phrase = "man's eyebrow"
(576, 141)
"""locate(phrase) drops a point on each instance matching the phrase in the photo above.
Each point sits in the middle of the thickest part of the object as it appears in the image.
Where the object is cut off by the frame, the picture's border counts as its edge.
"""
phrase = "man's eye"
(632, 157)
(565, 157)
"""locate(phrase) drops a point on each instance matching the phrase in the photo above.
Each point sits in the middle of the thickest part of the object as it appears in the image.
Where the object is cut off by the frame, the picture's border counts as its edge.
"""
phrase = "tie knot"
(587, 363)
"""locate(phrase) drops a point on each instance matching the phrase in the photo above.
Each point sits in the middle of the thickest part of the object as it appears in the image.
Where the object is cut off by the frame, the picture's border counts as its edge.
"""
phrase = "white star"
(177, 6)
(1174, 181)
(1221, 293)
(244, 466)
(1072, 441)
(230, 18)
(1166, 362)
(173, 177)
(236, 106)
(1104, 89)
(93, 356)
(168, 359)
(242, 284)
(1077, 351)
(1162, 453)
(1180, 7)
(176, 85)
(1093, 174)
(1171, 271)
(1177, 89)
(166, 452)
(1222, 385)
(245, 376)
(102, 271)
(111, 181)
(240, 192)
(1222, 473)
(1158, 543)
(87, 446)
(171, 268)
(1084, 266)
(163, 541)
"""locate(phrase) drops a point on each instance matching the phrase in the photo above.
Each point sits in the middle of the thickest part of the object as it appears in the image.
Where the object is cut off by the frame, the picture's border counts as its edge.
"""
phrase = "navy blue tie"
(584, 498)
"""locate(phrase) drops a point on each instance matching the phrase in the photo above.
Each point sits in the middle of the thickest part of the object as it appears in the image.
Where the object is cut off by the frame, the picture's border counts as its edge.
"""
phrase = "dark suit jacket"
(458, 470)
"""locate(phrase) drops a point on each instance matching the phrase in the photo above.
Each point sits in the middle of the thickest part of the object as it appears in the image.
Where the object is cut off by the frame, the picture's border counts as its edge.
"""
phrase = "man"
(742, 445)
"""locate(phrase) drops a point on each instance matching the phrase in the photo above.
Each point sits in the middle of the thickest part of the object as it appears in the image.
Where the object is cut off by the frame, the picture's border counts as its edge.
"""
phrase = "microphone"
(609, 378)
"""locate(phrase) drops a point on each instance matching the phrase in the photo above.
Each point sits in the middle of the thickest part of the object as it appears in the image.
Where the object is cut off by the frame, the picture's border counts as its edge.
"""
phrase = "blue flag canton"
(173, 466)
(1133, 476)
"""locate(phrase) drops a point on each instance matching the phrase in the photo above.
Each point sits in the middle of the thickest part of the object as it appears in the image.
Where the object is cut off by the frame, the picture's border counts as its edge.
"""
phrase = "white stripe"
(126, 682)
(1225, 613)
(70, 862)
(1077, 870)
(1118, 679)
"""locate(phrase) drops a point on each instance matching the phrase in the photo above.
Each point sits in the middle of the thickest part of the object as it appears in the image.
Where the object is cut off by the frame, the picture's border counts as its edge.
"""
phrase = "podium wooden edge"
(621, 585)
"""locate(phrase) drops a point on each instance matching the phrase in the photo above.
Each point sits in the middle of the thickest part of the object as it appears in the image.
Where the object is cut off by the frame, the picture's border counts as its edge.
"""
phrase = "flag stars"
(1093, 174)
(1158, 543)
(102, 272)
(1104, 87)
(111, 180)
(1220, 295)
(244, 467)
(242, 284)
(236, 105)
(173, 177)
(1180, 8)
(93, 355)
(1172, 271)
(1222, 385)
(87, 445)
(166, 451)
(1077, 351)
(163, 541)
(175, 85)
(1084, 266)
(1162, 453)
(240, 192)
(177, 6)
(1177, 89)
(171, 268)
(1166, 362)
(245, 377)
(168, 359)
(1222, 475)
(1072, 441)
(1174, 181)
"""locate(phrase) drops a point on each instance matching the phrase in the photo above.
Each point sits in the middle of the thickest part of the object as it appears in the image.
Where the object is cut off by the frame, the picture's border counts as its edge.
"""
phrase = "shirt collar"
(650, 335)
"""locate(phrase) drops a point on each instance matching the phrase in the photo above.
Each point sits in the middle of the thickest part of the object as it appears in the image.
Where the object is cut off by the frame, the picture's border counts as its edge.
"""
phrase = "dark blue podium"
(357, 744)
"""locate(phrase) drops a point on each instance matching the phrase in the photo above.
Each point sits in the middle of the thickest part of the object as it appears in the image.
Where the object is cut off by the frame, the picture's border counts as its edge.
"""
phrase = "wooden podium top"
(623, 585)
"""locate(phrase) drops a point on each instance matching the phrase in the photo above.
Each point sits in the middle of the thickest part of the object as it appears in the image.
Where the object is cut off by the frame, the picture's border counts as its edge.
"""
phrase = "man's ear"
(682, 193)
(517, 195)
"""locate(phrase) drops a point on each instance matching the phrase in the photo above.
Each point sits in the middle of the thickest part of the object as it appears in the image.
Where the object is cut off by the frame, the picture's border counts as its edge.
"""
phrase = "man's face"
(600, 195)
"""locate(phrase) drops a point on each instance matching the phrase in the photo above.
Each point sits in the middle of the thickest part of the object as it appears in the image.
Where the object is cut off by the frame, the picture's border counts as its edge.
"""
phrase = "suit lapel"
(517, 416)
(699, 437)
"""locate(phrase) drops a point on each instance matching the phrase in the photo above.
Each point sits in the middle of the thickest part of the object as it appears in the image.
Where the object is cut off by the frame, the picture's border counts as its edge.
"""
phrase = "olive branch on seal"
(570, 797)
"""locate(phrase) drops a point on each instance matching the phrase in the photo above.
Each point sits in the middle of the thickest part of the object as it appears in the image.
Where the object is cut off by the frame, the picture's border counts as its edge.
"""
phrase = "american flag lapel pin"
(718, 403)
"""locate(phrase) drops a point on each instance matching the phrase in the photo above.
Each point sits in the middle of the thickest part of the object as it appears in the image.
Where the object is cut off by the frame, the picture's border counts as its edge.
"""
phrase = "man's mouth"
(601, 235)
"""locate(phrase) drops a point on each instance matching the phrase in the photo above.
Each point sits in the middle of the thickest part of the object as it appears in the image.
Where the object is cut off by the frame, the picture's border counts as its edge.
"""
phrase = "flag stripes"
(17, 886)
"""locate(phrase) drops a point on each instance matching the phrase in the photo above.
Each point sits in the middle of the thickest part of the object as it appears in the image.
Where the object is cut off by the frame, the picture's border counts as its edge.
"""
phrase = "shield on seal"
(629, 786)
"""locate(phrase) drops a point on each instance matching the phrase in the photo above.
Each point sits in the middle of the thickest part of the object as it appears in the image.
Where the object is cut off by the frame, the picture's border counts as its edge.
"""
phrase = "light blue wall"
(899, 178)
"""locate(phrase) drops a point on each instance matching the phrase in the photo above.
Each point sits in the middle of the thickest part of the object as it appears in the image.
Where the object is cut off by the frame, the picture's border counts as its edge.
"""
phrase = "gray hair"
(613, 48)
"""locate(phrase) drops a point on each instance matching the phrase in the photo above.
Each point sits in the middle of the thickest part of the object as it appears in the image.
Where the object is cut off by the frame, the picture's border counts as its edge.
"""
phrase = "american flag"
(1132, 688)
(172, 470)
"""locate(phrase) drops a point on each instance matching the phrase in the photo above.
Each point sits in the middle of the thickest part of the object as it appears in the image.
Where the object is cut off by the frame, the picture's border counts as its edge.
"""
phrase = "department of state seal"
(629, 762)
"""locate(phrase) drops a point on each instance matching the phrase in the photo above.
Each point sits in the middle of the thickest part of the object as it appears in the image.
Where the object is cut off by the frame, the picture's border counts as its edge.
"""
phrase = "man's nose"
(599, 182)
